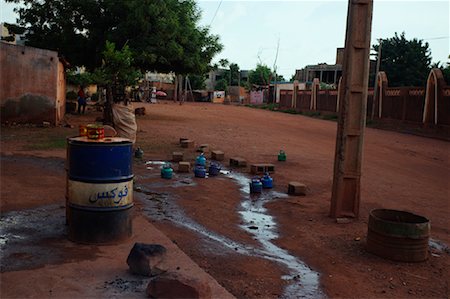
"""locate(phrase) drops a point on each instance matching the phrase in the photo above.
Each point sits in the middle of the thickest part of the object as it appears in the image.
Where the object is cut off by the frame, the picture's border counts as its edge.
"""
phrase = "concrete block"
(144, 258)
(217, 155)
(238, 162)
(177, 156)
(184, 167)
(296, 188)
(187, 143)
(343, 220)
(262, 168)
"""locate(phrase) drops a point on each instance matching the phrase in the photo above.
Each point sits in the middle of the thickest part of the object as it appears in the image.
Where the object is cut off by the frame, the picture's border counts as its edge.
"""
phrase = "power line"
(215, 14)
(433, 38)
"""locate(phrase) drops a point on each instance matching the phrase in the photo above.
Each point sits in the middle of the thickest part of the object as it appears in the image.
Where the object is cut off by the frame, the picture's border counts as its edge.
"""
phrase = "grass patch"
(331, 117)
(271, 107)
(48, 144)
(290, 111)
(312, 113)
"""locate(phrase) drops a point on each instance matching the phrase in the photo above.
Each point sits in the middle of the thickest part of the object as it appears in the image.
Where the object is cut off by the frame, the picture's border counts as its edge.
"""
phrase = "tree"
(406, 62)
(13, 30)
(292, 78)
(234, 74)
(116, 73)
(280, 78)
(446, 72)
(197, 81)
(222, 84)
(163, 35)
(261, 75)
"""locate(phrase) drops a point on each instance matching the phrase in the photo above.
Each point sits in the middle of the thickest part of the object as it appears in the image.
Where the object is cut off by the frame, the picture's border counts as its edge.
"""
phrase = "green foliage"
(83, 79)
(292, 78)
(446, 71)
(324, 86)
(162, 35)
(13, 30)
(280, 78)
(222, 84)
(224, 62)
(117, 68)
(197, 82)
(234, 73)
(406, 62)
(260, 76)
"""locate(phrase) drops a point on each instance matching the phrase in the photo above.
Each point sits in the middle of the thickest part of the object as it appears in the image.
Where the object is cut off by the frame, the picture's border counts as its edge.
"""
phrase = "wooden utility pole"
(345, 196)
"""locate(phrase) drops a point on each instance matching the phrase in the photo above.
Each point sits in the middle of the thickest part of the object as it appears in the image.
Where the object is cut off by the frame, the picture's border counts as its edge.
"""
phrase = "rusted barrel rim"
(399, 224)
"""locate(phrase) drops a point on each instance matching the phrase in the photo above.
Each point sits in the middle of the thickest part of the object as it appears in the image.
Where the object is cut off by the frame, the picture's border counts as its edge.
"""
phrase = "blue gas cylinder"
(166, 171)
(267, 181)
(200, 161)
(214, 169)
(200, 171)
(255, 186)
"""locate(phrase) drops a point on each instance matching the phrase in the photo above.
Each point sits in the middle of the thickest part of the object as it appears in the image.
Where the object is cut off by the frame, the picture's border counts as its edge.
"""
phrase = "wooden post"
(294, 95)
(175, 92)
(345, 196)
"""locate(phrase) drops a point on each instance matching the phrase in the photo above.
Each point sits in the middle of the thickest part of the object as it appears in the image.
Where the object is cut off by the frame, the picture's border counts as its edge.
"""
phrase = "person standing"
(81, 100)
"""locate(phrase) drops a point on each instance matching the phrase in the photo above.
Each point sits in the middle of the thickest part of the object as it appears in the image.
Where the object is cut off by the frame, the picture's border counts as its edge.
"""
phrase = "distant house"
(11, 38)
(216, 75)
(326, 73)
(32, 85)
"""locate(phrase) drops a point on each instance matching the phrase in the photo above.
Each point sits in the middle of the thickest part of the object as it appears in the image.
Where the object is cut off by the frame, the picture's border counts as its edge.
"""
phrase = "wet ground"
(265, 246)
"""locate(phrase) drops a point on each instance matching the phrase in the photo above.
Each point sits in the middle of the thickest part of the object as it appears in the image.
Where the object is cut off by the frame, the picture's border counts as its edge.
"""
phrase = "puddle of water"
(156, 162)
(23, 232)
(303, 281)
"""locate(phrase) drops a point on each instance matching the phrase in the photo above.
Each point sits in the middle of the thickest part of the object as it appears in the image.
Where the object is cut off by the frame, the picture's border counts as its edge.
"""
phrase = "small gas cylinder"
(200, 161)
(166, 171)
(255, 186)
(200, 171)
(214, 169)
(281, 156)
(138, 153)
(267, 181)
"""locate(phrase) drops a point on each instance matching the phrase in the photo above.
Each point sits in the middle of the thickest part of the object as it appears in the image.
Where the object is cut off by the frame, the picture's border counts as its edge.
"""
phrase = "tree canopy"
(162, 35)
(406, 62)
(261, 75)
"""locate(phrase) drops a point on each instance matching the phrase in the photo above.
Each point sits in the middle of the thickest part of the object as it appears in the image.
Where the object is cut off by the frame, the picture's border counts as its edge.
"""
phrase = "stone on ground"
(144, 258)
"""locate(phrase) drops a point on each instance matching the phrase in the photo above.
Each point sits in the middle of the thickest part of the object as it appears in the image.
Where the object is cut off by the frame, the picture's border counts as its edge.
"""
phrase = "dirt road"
(279, 246)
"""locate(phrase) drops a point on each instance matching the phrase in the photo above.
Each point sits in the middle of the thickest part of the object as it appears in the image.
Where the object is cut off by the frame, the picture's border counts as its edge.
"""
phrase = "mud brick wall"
(444, 106)
(286, 98)
(326, 100)
(32, 85)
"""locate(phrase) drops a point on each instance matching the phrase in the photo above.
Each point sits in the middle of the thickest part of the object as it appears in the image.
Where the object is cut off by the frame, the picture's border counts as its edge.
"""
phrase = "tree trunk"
(107, 111)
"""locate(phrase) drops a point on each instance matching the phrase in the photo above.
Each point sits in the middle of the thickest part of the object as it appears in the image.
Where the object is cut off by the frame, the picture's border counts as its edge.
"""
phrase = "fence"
(422, 105)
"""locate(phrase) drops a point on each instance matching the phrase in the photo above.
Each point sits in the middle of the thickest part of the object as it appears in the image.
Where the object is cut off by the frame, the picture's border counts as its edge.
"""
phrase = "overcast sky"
(309, 31)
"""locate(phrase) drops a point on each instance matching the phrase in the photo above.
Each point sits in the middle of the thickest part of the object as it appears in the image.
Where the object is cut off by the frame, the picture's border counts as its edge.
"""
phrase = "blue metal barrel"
(99, 190)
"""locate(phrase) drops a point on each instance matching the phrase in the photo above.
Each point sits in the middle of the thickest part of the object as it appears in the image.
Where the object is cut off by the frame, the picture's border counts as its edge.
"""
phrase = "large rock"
(144, 259)
(174, 285)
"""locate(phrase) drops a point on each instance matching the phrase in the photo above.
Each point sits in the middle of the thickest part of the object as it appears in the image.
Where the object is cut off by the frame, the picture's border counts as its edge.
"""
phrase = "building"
(11, 38)
(32, 85)
(326, 73)
(216, 75)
